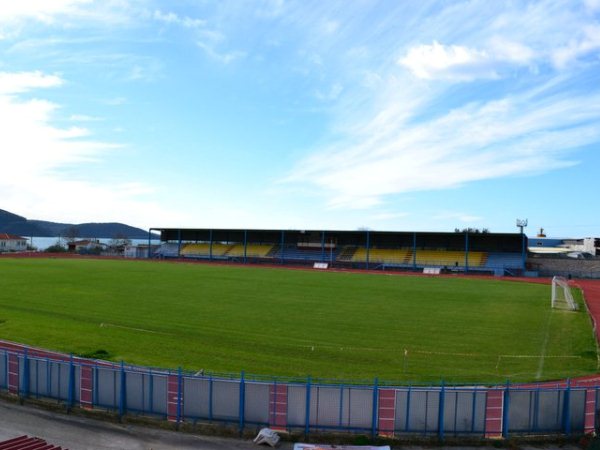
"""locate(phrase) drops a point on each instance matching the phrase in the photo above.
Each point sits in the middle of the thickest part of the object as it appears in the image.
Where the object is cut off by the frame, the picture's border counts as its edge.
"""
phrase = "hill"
(15, 224)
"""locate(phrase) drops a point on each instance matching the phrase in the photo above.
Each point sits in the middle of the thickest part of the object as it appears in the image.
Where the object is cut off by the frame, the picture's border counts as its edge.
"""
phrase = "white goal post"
(561, 294)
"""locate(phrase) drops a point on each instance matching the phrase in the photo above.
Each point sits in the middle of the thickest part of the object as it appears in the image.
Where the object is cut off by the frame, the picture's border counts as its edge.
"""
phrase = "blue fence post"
(374, 412)
(25, 386)
(242, 406)
(466, 251)
(5, 369)
(179, 394)
(441, 407)
(179, 243)
(536, 408)
(48, 378)
(341, 405)
(149, 242)
(414, 259)
(71, 385)
(210, 398)
(307, 412)
(274, 413)
(96, 387)
(37, 378)
(151, 391)
(473, 409)
(122, 392)
(407, 424)
(368, 247)
(567, 408)
(506, 404)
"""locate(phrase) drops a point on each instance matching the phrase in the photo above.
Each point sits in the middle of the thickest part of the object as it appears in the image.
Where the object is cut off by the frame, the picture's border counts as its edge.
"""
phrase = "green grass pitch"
(294, 322)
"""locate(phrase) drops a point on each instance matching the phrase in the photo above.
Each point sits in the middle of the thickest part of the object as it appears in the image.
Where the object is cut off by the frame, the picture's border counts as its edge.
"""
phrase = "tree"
(56, 248)
(118, 243)
(472, 230)
(72, 234)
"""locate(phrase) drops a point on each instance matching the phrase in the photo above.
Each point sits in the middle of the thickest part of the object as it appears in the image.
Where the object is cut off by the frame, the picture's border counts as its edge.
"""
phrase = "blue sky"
(392, 115)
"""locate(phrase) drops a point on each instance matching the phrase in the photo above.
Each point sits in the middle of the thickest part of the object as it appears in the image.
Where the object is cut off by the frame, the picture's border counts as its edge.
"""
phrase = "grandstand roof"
(431, 239)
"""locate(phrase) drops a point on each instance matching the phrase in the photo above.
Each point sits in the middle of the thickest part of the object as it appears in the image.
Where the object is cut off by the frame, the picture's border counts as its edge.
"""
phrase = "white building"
(12, 243)
(588, 245)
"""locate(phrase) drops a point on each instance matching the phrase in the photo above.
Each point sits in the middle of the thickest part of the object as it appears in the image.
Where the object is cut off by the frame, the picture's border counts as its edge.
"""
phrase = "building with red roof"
(12, 243)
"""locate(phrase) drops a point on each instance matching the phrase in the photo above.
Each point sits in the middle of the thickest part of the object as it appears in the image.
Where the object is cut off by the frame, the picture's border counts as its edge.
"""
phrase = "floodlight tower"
(521, 224)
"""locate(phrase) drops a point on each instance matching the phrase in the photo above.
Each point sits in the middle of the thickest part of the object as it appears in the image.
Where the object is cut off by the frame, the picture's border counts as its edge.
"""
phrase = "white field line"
(143, 330)
(540, 370)
(425, 352)
(542, 357)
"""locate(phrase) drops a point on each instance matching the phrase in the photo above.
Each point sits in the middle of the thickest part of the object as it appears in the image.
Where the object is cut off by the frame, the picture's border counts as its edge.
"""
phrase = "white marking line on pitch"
(544, 346)
(535, 356)
(112, 325)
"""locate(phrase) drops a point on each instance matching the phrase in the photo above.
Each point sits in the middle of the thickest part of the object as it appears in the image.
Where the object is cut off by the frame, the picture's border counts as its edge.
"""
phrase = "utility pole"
(521, 224)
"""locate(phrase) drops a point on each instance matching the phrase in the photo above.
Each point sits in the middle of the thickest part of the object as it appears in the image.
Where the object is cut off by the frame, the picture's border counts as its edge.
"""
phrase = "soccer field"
(273, 321)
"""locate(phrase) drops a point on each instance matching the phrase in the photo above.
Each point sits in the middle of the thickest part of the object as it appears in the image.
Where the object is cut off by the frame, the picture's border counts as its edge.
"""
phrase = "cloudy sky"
(412, 115)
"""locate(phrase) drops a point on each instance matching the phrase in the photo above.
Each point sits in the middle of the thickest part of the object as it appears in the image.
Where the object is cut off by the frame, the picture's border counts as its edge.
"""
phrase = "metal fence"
(498, 411)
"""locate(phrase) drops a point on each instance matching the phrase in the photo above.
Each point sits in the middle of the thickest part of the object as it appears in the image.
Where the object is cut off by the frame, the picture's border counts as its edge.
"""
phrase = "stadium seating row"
(352, 254)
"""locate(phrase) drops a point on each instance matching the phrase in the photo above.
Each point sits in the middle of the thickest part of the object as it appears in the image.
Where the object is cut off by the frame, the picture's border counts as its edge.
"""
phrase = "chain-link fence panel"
(107, 387)
(226, 400)
(360, 402)
(296, 406)
(464, 412)
(424, 411)
(256, 403)
(197, 395)
(158, 393)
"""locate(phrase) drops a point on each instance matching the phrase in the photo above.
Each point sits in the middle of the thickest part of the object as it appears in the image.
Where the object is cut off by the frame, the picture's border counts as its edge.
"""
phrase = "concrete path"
(79, 433)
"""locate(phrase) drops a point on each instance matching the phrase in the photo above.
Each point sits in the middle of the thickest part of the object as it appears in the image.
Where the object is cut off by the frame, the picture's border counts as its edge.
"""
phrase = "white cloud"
(332, 94)
(19, 82)
(518, 135)
(174, 19)
(38, 156)
(510, 51)
(221, 56)
(146, 71)
(330, 26)
(63, 14)
(208, 39)
(42, 10)
(461, 63)
(452, 62)
(84, 118)
(588, 42)
(592, 5)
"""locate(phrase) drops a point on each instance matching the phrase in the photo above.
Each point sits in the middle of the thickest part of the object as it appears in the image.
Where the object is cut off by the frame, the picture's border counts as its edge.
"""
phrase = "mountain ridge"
(15, 224)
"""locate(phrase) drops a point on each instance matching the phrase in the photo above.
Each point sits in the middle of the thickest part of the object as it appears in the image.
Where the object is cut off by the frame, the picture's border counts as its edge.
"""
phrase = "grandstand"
(488, 253)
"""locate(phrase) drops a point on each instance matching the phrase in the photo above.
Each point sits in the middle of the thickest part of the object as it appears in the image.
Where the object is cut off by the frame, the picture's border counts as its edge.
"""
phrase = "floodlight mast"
(521, 224)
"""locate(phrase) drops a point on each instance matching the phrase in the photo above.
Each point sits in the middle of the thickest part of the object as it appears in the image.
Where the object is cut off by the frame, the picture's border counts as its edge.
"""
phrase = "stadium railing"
(304, 405)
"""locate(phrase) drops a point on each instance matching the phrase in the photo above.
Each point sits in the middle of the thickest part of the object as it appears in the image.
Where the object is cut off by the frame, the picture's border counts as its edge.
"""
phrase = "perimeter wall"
(566, 408)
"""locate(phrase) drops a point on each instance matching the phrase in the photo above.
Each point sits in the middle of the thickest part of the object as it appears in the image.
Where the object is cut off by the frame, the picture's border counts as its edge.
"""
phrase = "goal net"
(561, 294)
